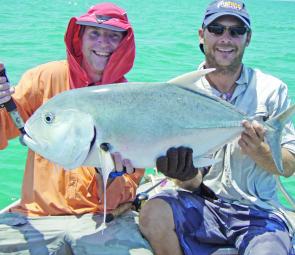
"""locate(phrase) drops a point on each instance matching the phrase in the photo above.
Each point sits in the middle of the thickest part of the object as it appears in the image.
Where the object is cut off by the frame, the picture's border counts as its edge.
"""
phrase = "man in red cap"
(100, 50)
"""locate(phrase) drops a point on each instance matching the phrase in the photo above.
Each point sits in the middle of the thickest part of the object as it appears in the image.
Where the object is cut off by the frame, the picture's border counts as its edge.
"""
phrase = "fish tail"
(273, 135)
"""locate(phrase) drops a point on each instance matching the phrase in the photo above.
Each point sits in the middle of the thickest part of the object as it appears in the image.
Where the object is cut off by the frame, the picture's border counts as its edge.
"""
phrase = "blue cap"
(220, 8)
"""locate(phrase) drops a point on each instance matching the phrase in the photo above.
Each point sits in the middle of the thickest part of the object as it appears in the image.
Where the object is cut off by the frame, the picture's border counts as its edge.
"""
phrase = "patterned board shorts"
(203, 226)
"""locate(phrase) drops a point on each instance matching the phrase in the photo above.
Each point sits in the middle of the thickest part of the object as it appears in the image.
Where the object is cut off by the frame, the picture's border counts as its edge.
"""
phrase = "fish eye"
(49, 117)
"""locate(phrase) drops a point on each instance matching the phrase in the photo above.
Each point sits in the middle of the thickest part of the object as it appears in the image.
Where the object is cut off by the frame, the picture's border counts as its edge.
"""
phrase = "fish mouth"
(29, 141)
(27, 138)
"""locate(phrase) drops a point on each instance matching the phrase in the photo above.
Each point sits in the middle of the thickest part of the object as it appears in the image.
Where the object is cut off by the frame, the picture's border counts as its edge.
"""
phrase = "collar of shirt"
(242, 84)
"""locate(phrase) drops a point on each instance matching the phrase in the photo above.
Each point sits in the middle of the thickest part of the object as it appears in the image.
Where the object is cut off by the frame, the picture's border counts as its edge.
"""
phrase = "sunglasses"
(234, 31)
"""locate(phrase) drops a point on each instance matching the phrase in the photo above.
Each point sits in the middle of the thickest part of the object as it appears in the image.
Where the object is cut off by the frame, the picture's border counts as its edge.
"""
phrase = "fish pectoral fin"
(93, 158)
(100, 158)
(106, 160)
(188, 79)
(205, 161)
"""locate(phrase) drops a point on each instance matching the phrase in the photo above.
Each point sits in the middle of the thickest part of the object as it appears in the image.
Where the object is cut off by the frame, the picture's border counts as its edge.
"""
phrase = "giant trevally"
(141, 121)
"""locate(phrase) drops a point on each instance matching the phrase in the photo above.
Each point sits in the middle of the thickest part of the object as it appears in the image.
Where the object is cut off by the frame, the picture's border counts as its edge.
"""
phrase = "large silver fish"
(141, 121)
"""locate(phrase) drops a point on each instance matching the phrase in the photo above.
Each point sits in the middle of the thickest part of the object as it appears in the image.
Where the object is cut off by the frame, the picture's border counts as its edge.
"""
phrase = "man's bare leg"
(157, 225)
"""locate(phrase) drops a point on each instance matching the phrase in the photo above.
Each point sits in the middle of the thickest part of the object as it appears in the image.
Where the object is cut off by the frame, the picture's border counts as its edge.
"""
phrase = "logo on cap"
(229, 4)
(101, 19)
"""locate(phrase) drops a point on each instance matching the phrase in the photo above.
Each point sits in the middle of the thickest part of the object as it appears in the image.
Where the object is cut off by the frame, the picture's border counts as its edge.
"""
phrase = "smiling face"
(98, 44)
(224, 51)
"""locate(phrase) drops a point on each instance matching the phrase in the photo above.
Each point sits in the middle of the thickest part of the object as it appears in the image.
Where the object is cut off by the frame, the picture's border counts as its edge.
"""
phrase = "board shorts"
(204, 225)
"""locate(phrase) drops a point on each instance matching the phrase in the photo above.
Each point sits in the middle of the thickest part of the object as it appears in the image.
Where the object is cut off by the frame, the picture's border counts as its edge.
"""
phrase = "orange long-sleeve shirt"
(47, 189)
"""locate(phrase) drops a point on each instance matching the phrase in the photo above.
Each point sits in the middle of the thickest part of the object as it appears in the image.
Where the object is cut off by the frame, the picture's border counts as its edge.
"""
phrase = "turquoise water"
(31, 33)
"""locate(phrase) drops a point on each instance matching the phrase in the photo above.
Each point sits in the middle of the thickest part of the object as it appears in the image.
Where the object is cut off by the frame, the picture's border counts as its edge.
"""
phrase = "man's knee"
(155, 217)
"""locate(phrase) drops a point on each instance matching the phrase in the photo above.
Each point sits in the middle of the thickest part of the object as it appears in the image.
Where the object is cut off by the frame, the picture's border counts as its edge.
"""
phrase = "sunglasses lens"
(236, 31)
(216, 29)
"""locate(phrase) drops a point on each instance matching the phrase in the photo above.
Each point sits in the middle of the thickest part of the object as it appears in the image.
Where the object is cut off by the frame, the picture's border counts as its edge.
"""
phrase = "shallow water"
(167, 45)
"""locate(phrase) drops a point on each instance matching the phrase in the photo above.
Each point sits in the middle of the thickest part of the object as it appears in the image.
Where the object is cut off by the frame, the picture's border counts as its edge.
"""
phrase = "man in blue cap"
(234, 202)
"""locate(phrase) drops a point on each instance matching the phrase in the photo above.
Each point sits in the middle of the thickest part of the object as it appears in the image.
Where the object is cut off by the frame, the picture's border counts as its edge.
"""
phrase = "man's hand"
(178, 164)
(122, 164)
(252, 140)
(5, 90)
(252, 144)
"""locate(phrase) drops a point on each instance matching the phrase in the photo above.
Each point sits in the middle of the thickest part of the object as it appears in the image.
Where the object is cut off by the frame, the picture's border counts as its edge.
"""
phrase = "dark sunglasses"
(234, 31)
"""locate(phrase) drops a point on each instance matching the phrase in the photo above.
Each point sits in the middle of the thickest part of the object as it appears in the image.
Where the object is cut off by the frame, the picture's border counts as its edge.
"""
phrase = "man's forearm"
(265, 160)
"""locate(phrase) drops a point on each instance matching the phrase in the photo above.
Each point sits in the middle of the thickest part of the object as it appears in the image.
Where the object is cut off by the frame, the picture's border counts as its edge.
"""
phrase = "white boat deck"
(152, 180)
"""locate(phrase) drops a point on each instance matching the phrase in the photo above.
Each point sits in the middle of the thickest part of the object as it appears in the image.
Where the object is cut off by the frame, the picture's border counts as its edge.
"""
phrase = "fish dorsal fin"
(187, 80)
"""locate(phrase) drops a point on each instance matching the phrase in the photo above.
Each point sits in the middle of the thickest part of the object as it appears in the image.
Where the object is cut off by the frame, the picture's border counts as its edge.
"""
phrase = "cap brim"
(101, 25)
(213, 17)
